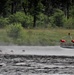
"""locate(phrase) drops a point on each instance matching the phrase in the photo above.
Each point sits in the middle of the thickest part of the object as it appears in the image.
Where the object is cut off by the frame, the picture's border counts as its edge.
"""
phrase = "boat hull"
(67, 45)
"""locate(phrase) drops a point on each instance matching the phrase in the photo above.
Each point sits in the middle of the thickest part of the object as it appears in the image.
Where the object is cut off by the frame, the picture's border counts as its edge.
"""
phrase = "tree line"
(53, 12)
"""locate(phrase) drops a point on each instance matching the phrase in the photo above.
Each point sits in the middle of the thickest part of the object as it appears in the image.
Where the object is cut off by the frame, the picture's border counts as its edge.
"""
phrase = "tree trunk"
(67, 10)
(12, 8)
(23, 5)
(4, 13)
(34, 21)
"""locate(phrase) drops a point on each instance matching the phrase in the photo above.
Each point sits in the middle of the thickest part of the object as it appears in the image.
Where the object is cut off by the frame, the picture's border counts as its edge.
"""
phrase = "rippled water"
(36, 65)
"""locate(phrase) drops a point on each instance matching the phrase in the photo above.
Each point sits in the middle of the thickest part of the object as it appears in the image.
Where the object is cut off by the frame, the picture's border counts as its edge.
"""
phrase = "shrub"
(20, 17)
(69, 23)
(14, 31)
(3, 22)
(42, 21)
(72, 11)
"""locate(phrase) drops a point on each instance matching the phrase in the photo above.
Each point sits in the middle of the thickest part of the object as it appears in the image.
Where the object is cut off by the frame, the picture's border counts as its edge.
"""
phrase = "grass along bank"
(36, 37)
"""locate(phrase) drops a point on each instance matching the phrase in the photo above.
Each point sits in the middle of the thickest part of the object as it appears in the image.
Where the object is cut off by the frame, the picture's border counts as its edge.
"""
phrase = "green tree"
(35, 6)
(21, 17)
(3, 7)
(58, 18)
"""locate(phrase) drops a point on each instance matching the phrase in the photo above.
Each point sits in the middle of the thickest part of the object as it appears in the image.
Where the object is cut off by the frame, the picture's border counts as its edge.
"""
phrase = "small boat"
(67, 45)
(67, 42)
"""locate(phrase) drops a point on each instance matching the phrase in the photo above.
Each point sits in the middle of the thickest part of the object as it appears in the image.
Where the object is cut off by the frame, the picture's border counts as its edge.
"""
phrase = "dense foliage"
(37, 13)
(14, 30)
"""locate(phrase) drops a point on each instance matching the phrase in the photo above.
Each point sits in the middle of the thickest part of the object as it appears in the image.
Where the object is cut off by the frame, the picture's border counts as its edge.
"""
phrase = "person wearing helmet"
(70, 36)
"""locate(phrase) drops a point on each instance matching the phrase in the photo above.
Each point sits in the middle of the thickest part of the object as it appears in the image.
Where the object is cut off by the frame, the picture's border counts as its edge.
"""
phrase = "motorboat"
(65, 44)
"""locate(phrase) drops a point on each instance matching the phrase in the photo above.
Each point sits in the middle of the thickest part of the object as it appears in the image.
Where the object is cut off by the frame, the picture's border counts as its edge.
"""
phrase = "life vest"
(72, 41)
(62, 41)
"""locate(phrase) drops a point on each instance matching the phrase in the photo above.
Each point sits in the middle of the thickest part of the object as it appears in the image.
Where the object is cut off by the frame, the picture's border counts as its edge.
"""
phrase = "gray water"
(36, 60)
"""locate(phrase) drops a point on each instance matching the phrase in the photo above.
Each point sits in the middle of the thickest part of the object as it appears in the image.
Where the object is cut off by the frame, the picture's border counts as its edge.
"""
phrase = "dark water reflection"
(36, 65)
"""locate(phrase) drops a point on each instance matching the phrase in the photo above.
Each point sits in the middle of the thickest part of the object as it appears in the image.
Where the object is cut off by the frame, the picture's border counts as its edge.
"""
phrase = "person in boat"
(67, 40)
(69, 35)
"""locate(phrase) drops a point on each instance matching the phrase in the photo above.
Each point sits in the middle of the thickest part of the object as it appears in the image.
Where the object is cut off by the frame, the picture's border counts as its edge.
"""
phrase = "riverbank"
(36, 37)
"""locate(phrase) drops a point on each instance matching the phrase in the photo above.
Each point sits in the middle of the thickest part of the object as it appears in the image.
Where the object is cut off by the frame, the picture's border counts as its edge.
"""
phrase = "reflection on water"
(36, 65)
